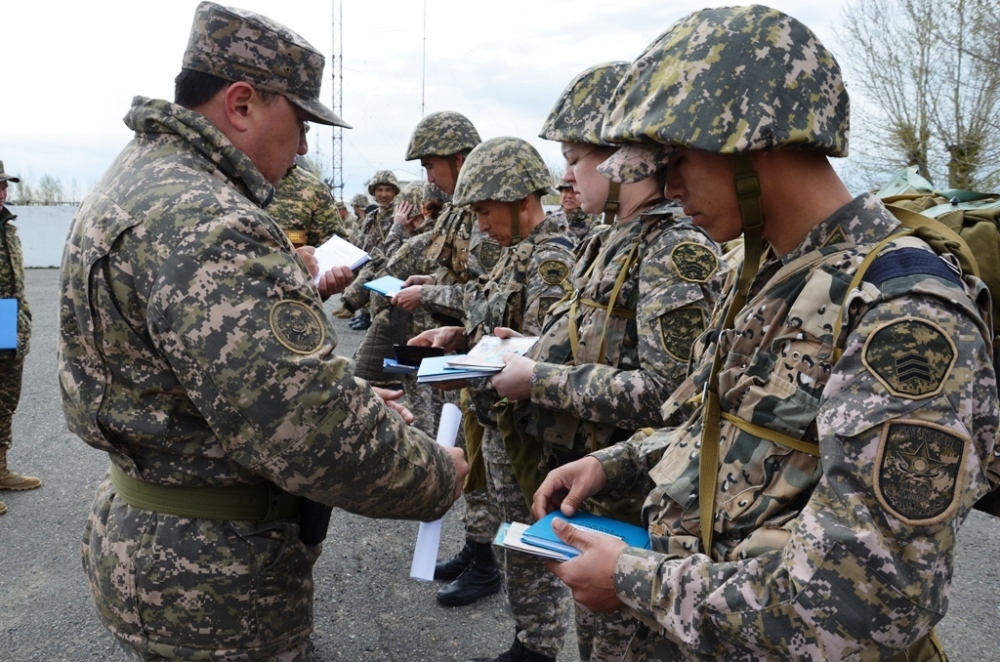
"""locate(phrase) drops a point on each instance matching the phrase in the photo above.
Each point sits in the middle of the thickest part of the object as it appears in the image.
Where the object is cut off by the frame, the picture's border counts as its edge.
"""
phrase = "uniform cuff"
(548, 386)
(636, 574)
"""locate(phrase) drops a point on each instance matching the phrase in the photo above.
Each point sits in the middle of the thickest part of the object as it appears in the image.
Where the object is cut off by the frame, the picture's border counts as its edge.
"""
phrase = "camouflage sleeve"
(905, 423)
(548, 268)
(675, 299)
(444, 299)
(244, 330)
(326, 218)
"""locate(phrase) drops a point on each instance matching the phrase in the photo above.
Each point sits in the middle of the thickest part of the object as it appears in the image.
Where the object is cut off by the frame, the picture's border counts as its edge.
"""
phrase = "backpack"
(975, 218)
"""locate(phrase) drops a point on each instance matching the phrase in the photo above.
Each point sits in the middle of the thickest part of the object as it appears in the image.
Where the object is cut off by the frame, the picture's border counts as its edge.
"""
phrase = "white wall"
(43, 232)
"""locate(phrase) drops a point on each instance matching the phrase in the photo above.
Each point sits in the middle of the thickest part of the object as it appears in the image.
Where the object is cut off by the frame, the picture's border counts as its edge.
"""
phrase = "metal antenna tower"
(337, 74)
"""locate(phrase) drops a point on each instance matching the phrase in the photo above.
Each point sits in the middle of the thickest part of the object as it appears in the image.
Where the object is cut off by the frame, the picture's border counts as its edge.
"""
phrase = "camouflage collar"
(863, 220)
(6, 214)
(156, 116)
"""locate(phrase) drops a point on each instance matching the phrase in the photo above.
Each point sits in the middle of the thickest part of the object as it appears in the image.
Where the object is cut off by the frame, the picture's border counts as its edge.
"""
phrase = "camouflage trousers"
(11, 372)
(183, 588)
(604, 637)
(539, 601)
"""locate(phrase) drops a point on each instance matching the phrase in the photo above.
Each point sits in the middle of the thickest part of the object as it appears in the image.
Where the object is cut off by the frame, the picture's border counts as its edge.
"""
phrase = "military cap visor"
(4, 177)
(636, 162)
(242, 46)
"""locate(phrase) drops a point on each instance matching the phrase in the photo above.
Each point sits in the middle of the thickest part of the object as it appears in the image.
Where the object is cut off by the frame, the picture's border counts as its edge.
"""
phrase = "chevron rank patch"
(679, 329)
(917, 471)
(694, 262)
(910, 357)
(553, 272)
(296, 326)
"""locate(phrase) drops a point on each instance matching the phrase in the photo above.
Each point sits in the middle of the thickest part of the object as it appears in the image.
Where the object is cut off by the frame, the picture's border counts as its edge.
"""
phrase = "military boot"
(477, 581)
(12, 481)
(343, 313)
(516, 653)
(3, 507)
(361, 321)
(450, 570)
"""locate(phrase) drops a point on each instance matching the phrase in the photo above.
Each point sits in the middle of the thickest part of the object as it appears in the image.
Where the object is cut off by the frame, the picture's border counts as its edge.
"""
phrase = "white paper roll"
(429, 536)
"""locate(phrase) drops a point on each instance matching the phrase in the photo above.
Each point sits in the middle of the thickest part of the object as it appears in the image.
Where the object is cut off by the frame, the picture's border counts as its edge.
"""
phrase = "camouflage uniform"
(374, 227)
(517, 293)
(12, 287)
(583, 225)
(305, 209)
(891, 383)
(194, 350)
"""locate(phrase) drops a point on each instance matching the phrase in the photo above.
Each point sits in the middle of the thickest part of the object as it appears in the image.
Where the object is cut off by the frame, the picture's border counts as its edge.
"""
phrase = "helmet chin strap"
(453, 165)
(747, 185)
(515, 222)
(613, 203)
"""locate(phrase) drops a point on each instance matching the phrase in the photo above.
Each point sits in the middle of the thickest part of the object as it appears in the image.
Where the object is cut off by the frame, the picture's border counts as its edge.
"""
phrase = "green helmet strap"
(515, 222)
(613, 203)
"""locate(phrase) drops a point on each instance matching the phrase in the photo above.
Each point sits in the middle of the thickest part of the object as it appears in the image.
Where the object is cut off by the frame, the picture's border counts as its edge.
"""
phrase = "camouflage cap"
(4, 177)
(502, 169)
(238, 45)
(442, 134)
(580, 111)
(382, 177)
(414, 194)
(360, 200)
(729, 80)
(432, 192)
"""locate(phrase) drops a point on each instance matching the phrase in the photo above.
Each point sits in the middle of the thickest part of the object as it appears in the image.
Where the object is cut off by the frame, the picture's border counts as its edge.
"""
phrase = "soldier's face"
(384, 195)
(581, 172)
(439, 173)
(280, 135)
(494, 219)
(703, 182)
(567, 199)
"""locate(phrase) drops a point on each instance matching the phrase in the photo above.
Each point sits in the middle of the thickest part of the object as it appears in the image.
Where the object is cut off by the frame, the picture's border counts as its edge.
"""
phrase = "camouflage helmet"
(432, 192)
(732, 80)
(383, 177)
(502, 169)
(414, 194)
(580, 111)
(442, 134)
(360, 200)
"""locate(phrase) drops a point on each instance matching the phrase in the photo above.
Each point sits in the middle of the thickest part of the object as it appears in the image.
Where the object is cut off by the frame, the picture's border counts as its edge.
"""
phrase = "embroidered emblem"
(694, 262)
(679, 329)
(917, 471)
(912, 358)
(296, 326)
(553, 272)
(836, 236)
(489, 254)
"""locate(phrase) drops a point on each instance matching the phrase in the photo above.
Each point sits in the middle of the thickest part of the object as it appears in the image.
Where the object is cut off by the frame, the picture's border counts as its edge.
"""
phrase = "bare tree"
(50, 191)
(929, 80)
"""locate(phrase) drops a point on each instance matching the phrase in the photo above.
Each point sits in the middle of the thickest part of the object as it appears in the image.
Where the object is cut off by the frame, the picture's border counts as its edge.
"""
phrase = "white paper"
(429, 536)
(336, 252)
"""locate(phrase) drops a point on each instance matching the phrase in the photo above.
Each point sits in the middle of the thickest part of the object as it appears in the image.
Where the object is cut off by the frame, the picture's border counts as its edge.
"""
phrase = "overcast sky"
(71, 69)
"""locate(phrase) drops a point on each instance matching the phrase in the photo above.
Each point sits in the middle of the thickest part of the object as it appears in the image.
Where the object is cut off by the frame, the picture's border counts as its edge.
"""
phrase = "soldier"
(643, 292)
(846, 408)
(372, 234)
(359, 204)
(305, 209)
(503, 181)
(194, 351)
(443, 260)
(12, 360)
(581, 224)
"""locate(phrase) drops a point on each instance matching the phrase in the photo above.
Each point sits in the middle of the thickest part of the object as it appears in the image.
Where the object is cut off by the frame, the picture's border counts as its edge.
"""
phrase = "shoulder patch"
(694, 262)
(679, 329)
(910, 357)
(918, 471)
(296, 326)
(553, 272)
(908, 262)
(489, 254)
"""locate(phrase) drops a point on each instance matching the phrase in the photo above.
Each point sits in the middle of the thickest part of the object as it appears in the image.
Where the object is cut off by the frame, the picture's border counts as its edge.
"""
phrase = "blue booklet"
(8, 323)
(540, 534)
(386, 285)
(395, 367)
(435, 369)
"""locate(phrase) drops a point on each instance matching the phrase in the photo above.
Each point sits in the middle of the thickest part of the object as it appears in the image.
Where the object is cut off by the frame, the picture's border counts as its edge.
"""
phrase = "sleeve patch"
(679, 329)
(296, 326)
(918, 471)
(693, 262)
(911, 358)
(489, 254)
(553, 272)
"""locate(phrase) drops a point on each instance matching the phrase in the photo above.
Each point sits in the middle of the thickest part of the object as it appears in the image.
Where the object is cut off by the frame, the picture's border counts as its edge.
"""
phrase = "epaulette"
(909, 262)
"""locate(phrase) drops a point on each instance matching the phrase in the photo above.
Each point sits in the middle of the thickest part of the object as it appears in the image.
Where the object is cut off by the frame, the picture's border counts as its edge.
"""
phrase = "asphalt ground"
(366, 608)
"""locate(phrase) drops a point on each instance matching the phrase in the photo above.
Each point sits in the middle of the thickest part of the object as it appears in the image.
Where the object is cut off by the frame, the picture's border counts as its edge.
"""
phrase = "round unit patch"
(297, 326)
(553, 272)
(694, 262)
(679, 329)
(489, 254)
(912, 358)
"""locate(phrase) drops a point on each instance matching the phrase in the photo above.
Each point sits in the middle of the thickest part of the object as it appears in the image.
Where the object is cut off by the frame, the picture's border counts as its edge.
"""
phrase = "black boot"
(450, 570)
(516, 653)
(477, 581)
(361, 321)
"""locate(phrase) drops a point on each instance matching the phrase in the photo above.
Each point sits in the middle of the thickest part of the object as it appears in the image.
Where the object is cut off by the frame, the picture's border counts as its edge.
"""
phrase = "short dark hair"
(194, 88)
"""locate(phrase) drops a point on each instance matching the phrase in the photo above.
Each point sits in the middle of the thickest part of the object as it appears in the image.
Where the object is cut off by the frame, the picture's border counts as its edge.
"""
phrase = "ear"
(239, 100)
(459, 161)
(523, 204)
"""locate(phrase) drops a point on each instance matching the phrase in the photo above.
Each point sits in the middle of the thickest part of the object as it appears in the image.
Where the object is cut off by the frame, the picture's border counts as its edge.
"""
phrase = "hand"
(335, 281)
(461, 468)
(407, 298)
(389, 398)
(307, 255)
(402, 215)
(448, 338)
(506, 332)
(568, 486)
(418, 280)
(591, 574)
(514, 381)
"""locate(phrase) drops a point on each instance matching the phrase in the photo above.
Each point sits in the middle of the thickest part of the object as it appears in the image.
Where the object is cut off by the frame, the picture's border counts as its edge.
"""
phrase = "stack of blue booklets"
(539, 538)
(388, 286)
